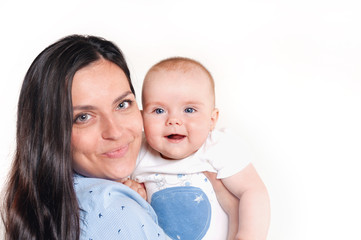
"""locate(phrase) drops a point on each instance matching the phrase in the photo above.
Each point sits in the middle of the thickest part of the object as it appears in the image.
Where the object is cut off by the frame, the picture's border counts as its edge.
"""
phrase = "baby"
(179, 117)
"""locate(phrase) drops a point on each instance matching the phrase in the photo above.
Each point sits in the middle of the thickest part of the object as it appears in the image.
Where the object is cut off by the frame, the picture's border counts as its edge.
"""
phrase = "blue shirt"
(110, 210)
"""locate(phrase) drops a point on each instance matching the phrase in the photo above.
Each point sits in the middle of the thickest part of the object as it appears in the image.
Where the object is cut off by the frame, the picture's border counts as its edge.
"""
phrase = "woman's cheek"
(83, 142)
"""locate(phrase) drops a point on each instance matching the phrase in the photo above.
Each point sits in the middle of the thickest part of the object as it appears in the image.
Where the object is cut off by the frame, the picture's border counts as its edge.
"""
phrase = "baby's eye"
(124, 105)
(189, 110)
(82, 118)
(159, 111)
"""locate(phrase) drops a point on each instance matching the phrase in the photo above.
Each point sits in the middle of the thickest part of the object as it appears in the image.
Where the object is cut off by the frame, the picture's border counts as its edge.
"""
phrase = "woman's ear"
(214, 118)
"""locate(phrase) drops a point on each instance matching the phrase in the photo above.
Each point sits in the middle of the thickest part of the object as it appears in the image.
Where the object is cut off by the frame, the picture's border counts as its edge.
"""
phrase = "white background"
(288, 78)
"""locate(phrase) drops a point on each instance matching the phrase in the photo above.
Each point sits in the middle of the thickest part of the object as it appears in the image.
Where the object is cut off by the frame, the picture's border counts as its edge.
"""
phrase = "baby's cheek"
(152, 140)
(152, 132)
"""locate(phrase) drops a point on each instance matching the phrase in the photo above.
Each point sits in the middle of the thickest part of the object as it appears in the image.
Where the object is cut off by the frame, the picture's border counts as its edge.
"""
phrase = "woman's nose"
(111, 129)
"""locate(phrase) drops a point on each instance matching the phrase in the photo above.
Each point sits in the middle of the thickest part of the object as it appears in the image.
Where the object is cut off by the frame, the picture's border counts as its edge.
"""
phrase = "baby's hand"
(138, 187)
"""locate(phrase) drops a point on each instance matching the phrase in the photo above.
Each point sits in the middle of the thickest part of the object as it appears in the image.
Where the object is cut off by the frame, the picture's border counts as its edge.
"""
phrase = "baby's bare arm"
(229, 203)
(254, 205)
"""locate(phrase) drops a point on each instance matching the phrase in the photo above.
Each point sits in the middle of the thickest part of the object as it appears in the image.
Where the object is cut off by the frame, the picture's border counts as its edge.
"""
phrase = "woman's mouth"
(117, 153)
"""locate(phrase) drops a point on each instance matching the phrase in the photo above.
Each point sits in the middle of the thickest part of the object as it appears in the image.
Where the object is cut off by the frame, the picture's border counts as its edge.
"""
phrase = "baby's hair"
(181, 64)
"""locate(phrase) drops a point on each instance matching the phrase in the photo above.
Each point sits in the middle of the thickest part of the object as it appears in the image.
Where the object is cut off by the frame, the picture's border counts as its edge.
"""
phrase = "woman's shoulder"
(111, 210)
(100, 190)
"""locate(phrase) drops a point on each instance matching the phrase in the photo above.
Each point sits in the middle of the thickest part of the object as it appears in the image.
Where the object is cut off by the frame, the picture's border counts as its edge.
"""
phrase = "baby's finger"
(128, 183)
(142, 193)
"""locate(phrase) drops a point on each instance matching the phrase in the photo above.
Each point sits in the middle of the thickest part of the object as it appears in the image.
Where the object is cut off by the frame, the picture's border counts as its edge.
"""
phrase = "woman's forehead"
(101, 79)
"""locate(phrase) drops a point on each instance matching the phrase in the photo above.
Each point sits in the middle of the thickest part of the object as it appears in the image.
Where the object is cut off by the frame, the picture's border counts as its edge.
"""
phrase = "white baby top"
(179, 192)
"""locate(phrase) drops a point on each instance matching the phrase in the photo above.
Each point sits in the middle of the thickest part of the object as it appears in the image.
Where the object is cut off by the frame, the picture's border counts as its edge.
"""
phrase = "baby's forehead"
(184, 74)
(184, 70)
(177, 80)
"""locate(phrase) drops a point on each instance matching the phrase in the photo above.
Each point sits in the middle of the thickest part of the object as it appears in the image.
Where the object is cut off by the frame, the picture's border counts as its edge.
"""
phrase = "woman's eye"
(82, 118)
(189, 110)
(124, 104)
(159, 111)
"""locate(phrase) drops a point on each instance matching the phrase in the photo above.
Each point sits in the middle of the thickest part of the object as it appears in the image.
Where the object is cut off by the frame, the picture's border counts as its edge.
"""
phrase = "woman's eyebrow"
(84, 107)
(90, 107)
(121, 97)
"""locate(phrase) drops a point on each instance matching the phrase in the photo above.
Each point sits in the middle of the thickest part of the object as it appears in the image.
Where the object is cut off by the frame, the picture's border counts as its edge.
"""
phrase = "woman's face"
(107, 124)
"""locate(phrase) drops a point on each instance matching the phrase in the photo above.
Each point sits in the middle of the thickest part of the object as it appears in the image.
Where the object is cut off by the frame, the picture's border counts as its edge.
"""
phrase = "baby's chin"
(174, 156)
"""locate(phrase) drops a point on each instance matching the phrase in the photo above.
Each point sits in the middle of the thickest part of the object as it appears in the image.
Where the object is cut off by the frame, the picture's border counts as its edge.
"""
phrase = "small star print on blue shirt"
(111, 210)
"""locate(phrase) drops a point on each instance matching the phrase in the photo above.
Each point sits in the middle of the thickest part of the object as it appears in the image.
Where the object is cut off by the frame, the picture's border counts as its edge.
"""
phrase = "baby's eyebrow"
(198, 103)
(152, 104)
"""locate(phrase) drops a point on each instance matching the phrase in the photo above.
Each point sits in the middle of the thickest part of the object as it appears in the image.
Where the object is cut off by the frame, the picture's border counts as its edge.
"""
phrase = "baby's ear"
(214, 118)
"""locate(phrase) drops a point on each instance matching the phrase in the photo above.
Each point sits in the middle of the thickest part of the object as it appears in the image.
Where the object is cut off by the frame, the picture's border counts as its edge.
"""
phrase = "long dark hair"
(40, 201)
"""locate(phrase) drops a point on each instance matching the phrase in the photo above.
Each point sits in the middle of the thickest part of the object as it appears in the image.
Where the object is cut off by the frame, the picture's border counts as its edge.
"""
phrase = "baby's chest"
(160, 181)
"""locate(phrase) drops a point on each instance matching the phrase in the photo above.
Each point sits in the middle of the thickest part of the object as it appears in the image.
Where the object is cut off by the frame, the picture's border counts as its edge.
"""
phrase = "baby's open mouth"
(175, 136)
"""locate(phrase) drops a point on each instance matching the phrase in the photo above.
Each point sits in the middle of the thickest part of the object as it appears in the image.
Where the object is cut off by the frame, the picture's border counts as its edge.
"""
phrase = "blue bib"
(183, 212)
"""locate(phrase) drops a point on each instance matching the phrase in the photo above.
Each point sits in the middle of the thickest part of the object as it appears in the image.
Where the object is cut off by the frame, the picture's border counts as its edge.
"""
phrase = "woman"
(77, 114)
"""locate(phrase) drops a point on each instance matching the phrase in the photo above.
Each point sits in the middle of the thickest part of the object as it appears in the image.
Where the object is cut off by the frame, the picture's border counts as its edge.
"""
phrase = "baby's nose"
(174, 121)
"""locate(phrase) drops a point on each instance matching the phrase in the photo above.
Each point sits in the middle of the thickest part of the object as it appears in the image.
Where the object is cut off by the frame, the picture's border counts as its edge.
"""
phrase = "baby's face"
(178, 111)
